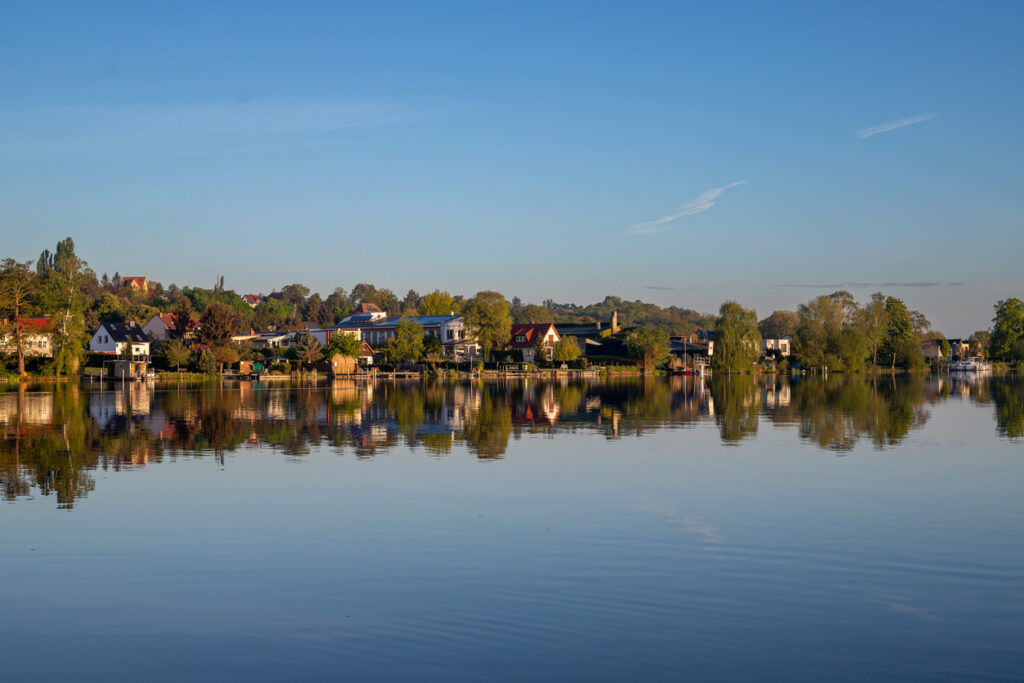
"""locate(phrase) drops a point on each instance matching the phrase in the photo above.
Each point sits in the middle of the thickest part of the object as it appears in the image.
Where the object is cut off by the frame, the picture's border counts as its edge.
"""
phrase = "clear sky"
(679, 153)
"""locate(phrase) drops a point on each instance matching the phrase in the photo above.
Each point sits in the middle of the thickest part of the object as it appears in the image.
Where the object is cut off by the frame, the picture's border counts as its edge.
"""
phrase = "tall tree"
(217, 325)
(18, 286)
(488, 319)
(339, 304)
(64, 275)
(899, 342)
(875, 322)
(737, 340)
(182, 319)
(1008, 330)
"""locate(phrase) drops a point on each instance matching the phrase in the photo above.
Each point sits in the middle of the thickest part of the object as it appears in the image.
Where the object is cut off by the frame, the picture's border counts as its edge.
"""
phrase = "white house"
(115, 338)
(35, 339)
(376, 330)
(784, 346)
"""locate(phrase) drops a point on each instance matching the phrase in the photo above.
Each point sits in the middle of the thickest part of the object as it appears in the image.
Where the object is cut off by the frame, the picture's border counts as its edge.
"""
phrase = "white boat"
(972, 364)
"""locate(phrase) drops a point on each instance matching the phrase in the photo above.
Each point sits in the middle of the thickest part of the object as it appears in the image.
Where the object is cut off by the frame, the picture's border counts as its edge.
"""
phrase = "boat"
(972, 364)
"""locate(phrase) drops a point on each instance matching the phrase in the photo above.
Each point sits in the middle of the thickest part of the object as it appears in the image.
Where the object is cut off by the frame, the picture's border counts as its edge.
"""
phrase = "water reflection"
(53, 438)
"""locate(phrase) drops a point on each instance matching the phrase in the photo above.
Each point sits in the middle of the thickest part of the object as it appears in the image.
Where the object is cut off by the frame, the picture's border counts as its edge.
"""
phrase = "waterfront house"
(120, 339)
(782, 346)
(377, 330)
(932, 349)
(524, 337)
(36, 340)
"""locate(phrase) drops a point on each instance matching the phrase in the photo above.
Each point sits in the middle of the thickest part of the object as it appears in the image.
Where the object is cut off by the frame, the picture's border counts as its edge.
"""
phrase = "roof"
(366, 308)
(532, 332)
(39, 323)
(363, 322)
(133, 280)
(168, 320)
(252, 299)
(122, 332)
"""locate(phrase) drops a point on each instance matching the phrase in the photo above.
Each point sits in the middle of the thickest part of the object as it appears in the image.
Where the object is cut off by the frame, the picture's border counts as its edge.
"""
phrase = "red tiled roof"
(532, 332)
(38, 323)
(252, 299)
(366, 350)
(366, 308)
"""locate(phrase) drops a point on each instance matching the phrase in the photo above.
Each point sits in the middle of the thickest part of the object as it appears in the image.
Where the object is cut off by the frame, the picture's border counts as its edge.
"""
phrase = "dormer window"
(520, 338)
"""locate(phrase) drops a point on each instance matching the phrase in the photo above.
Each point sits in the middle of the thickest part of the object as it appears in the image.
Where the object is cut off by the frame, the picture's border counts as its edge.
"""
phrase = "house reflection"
(54, 436)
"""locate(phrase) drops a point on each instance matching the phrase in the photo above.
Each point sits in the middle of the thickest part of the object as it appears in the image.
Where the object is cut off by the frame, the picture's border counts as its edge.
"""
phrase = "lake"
(722, 529)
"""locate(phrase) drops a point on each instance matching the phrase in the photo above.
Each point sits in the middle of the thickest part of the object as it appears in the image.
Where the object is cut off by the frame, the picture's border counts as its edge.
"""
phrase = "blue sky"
(677, 153)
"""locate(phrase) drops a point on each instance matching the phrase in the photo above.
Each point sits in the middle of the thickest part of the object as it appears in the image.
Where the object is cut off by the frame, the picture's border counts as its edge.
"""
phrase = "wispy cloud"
(46, 130)
(660, 289)
(842, 285)
(690, 208)
(893, 125)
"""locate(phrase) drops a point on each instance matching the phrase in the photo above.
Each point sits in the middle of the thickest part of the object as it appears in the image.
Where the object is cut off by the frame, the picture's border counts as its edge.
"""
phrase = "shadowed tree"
(217, 325)
(650, 345)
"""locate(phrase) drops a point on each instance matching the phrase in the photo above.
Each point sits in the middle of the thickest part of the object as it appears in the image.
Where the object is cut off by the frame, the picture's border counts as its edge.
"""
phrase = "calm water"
(729, 530)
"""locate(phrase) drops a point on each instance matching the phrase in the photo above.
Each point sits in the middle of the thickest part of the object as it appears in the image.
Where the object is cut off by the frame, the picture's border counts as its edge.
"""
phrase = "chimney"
(615, 322)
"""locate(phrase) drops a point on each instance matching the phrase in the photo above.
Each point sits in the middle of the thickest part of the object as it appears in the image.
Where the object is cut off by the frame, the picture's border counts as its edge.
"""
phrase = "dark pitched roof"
(122, 332)
(531, 331)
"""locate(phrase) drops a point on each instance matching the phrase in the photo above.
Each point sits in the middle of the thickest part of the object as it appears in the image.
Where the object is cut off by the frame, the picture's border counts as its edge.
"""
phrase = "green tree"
(488, 320)
(182, 319)
(274, 314)
(650, 345)
(433, 349)
(225, 355)
(18, 287)
(737, 340)
(309, 349)
(899, 342)
(174, 352)
(438, 302)
(217, 325)
(779, 324)
(204, 361)
(345, 344)
(1008, 330)
(567, 350)
(339, 304)
(407, 344)
(64, 275)
(980, 342)
(874, 320)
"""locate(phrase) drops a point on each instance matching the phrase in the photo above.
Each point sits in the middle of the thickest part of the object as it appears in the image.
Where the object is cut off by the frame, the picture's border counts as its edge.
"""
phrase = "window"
(520, 338)
(451, 334)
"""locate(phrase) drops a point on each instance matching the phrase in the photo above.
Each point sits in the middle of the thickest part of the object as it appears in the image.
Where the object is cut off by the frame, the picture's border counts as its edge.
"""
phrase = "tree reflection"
(1008, 397)
(54, 437)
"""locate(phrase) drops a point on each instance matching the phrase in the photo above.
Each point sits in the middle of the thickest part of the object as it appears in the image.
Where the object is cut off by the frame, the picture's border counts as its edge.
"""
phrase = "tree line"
(833, 331)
